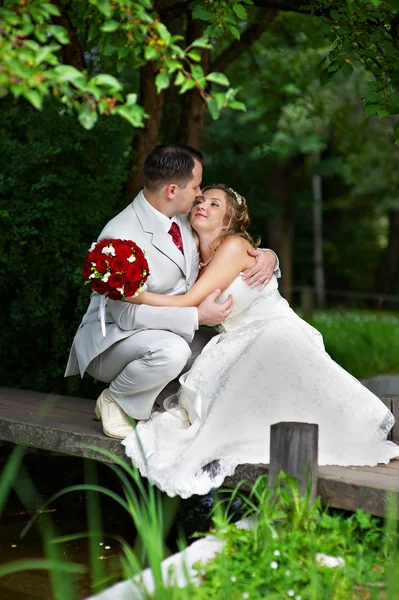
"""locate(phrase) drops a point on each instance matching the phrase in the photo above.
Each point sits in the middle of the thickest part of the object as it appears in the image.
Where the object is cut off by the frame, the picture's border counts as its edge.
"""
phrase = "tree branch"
(71, 53)
(250, 35)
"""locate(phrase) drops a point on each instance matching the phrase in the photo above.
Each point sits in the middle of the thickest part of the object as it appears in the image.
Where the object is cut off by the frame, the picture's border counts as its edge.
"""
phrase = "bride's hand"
(139, 299)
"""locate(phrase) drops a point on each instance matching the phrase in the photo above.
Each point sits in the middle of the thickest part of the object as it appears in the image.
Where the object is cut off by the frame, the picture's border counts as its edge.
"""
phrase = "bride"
(266, 365)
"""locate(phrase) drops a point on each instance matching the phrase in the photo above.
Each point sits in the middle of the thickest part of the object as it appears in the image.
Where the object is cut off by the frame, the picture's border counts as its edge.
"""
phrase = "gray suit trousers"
(139, 368)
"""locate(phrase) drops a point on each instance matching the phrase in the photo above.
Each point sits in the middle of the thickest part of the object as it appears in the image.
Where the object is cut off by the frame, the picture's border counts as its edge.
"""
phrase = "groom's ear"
(171, 191)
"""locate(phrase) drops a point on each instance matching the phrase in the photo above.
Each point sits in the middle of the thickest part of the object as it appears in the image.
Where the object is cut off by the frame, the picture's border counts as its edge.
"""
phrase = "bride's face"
(209, 211)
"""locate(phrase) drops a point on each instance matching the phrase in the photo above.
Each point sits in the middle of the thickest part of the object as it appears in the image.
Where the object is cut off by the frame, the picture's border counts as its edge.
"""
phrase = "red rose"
(102, 264)
(141, 259)
(130, 289)
(99, 286)
(91, 257)
(115, 295)
(119, 264)
(123, 249)
(86, 270)
(116, 281)
(133, 273)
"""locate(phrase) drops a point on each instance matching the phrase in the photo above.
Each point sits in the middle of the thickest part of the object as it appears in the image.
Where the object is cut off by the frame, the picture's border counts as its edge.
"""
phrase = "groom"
(146, 347)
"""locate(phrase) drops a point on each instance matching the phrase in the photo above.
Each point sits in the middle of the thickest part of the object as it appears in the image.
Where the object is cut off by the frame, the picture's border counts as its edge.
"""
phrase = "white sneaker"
(115, 422)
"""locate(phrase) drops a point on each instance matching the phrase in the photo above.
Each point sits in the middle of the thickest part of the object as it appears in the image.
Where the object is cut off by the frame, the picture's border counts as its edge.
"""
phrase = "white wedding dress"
(266, 366)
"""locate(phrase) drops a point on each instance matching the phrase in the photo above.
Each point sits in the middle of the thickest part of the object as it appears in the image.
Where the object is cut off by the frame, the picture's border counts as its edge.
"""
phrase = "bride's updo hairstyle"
(236, 219)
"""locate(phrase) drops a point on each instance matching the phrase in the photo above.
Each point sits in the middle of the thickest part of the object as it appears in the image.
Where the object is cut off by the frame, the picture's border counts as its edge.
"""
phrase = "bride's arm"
(230, 259)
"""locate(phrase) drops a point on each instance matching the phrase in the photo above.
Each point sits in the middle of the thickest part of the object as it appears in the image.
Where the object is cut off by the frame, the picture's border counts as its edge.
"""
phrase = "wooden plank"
(64, 424)
(388, 470)
(55, 423)
(361, 478)
(339, 493)
(23, 401)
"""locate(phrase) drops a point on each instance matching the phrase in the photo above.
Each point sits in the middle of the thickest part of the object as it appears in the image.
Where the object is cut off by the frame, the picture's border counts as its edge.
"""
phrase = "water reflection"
(50, 473)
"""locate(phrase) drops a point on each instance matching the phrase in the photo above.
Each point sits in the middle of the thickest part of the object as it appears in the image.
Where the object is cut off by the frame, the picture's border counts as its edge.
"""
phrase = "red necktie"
(174, 231)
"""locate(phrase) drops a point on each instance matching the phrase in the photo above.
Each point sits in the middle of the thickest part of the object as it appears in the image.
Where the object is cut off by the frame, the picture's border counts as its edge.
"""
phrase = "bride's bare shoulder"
(235, 243)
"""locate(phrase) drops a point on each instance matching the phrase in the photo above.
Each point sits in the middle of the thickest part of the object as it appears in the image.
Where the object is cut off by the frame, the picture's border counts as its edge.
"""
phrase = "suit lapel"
(160, 239)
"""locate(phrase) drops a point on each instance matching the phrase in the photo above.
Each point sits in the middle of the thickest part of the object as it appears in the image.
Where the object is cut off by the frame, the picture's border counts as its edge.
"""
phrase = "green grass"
(275, 559)
(365, 343)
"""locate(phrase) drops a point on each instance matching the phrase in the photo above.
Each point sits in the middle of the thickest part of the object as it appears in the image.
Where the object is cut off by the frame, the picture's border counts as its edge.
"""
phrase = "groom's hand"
(262, 271)
(210, 313)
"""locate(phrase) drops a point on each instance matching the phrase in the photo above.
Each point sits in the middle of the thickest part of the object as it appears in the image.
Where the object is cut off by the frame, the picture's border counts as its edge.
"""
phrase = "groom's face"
(185, 197)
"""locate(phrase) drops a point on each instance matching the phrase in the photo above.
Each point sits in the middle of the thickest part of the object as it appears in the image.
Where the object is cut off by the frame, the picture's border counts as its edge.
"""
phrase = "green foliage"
(365, 30)
(125, 35)
(277, 557)
(59, 185)
(362, 342)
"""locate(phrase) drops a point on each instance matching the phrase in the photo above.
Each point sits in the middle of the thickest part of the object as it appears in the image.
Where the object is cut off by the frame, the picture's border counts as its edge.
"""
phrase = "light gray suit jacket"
(170, 273)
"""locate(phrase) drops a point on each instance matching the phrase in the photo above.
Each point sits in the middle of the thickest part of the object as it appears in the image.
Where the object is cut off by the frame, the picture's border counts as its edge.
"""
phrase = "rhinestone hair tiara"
(236, 196)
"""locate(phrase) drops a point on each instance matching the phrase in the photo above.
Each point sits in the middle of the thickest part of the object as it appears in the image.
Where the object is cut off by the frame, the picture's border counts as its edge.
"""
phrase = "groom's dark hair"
(170, 163)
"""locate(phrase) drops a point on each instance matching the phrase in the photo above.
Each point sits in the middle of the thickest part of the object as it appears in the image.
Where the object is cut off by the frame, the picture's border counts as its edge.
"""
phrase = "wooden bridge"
(65, 424)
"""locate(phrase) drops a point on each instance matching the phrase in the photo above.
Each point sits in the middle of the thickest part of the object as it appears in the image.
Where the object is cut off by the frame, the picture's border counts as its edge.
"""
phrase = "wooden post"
(293, 449)
(307, 301)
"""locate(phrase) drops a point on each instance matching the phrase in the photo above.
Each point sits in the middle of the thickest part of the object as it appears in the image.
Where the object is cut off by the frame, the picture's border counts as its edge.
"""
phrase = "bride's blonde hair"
(236, 219)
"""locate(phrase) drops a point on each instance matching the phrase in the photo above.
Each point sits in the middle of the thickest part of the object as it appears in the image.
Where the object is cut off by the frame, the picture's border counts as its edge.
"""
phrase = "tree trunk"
(71, 53)
(147, 138)
(386, 277)
(281, 226)
(318, 263)
(194, 107)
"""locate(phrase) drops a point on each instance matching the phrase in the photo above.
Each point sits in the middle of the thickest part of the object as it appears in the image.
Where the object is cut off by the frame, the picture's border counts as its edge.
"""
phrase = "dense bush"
(58, 187)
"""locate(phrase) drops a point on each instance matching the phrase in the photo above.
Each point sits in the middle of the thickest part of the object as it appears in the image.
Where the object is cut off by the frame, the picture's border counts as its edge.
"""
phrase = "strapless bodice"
(249, 304)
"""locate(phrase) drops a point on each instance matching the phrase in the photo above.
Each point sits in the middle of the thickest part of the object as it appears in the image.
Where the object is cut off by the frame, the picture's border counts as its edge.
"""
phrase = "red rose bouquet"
(116, 269)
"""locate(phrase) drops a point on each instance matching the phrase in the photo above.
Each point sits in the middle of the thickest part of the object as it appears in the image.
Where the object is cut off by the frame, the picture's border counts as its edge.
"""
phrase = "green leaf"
(34, 98)
(235, 32)
(68, 73)
(163, 32)
(131, 99)
(347, 68)
(60, 34)
(218, 78)
(334, 15)
(197, 72)
(180, 78)
(173, 65)
(237, 106)
(162, 81)
(87, 117)
(371, 110)
(108, 81)
(110, 26)
(133, 114)
(51, 9)
(103, 6)
(202, 13)
(326, 76)
(150, 53)
(123, 51)
(188, 84)
(45, 54)
(194, 55)
(220, 99)
(213, 108)
(240, 11)
(202, 42)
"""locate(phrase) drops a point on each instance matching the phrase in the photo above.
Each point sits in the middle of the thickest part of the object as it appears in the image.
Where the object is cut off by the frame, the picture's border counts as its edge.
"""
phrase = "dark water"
(50, 473)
